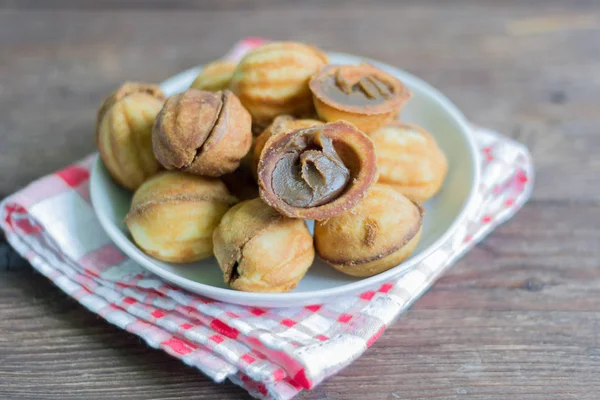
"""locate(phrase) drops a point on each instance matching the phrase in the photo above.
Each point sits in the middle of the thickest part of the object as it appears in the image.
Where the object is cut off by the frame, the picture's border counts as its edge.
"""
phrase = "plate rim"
(274, 299)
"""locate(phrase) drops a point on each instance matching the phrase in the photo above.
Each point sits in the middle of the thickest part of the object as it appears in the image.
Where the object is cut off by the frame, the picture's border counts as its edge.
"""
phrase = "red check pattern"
(272, 353)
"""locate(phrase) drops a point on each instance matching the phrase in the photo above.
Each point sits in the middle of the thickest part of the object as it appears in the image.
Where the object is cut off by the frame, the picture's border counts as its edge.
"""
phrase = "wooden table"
(518, 318)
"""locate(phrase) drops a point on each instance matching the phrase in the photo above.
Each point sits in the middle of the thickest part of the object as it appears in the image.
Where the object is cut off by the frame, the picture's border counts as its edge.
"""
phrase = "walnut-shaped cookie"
(260, 250)
(124, 133)
(376, 235)
(409, 160)
(273, 79)
(362, 94)
(318, 172)
(281, 124)
(173, 215)
(203, 133)
(215, 76)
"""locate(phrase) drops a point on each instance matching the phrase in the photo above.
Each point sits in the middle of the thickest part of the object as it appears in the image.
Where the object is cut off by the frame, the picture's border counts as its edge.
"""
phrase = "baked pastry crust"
(259, 250)
(409, 160)
(173, 215)
(215, 76)
(351, 146)
(361, 94)
(376, 235)
(273, 80)
(281, 124)
(203, 133)
(124, 132)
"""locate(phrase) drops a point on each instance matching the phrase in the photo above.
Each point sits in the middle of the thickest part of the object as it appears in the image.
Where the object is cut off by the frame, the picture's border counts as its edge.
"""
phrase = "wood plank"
(211, 5)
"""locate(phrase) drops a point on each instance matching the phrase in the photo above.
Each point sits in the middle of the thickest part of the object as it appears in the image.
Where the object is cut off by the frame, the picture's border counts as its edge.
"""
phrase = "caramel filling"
(309, 172)
(356, 89)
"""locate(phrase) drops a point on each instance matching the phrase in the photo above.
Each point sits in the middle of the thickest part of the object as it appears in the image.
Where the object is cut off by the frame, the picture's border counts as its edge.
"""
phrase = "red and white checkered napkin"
(273, 353)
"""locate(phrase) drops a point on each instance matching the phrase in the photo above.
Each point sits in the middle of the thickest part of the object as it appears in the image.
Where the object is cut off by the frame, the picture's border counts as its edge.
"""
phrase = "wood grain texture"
(518, 318)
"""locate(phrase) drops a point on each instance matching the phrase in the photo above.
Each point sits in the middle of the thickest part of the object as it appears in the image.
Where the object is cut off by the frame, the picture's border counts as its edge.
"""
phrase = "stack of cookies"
(234, 165)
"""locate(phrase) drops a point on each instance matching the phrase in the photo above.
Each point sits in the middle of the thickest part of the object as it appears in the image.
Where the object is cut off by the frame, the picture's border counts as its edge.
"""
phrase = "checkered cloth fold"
(272, 353)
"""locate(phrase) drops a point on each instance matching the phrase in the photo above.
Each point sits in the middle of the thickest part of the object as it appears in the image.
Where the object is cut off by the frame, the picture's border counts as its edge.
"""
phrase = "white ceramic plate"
(427, 108)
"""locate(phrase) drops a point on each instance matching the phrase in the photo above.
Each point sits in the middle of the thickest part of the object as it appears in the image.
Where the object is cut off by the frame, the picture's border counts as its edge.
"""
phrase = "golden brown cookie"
(361, 94)
(260, 250)
(317, 173)
(215, 76)
(376, 235)
(409, 160)
(203, 133)
(273, 79)
(173, 215)
(281, 124)
(124, 132)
